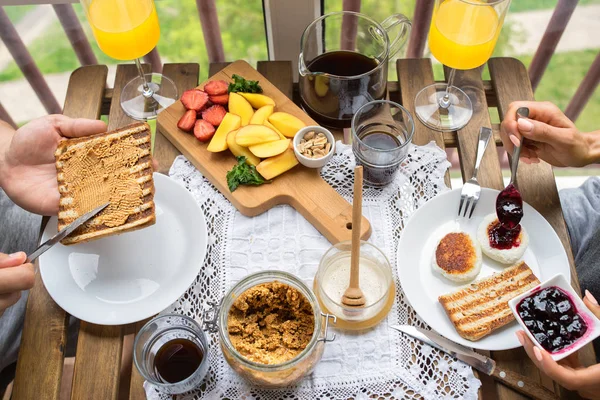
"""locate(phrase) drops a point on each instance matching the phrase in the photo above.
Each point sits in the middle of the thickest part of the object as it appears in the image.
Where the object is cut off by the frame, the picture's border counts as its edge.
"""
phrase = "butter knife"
(516, 381)
(65, 232)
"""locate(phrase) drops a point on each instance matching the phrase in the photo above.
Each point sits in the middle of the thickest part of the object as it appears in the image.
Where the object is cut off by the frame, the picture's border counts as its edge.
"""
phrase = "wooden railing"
(207, 11)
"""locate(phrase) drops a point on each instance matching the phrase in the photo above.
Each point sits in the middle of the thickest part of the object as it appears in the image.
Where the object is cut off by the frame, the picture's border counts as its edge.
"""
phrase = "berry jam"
(552, 319)
(509, 207)
(502, 238)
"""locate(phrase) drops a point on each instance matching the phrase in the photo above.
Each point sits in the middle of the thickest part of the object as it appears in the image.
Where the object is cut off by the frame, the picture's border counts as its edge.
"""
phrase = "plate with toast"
(136, 256)
(459, 274)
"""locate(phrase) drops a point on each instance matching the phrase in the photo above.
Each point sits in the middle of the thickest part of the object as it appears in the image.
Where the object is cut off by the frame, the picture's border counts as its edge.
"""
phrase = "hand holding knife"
(478, 361)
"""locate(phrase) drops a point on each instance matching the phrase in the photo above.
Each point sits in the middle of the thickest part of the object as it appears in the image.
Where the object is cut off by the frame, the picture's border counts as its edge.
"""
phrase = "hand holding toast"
(568, 372)
(27, 162)
(15, 276)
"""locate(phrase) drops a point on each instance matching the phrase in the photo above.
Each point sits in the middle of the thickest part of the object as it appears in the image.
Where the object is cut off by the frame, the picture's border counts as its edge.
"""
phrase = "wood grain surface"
(302, 188)
(185, 77)
(99, 348)
(413, 75)
(538, 188)
(40, 363)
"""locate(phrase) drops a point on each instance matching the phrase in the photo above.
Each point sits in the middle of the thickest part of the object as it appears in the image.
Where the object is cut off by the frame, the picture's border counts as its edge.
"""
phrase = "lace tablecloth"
(374, 363)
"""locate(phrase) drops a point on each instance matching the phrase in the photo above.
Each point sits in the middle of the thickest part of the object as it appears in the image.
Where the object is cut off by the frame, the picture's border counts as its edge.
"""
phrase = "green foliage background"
(243, 35)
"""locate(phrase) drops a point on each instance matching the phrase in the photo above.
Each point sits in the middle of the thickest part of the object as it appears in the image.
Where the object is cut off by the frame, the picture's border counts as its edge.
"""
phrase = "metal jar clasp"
(210, 317)
(325, 337)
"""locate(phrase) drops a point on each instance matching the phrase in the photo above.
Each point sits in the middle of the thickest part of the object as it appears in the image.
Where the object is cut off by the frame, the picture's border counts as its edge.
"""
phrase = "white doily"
(380, 362)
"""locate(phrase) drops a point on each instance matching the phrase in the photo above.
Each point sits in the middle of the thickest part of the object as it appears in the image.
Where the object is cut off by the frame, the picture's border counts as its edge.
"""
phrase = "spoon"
(509, 203)
(353, 296)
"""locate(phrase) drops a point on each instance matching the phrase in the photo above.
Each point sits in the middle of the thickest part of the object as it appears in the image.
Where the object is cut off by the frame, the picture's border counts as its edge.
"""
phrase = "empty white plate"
(132, 276)
(545, 255)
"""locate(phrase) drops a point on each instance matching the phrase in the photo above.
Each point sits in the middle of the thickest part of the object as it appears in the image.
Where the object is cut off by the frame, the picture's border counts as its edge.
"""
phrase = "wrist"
(593, 146)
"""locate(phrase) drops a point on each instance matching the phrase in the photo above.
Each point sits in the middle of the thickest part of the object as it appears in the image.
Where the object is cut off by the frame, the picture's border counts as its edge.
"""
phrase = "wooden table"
(102, 371)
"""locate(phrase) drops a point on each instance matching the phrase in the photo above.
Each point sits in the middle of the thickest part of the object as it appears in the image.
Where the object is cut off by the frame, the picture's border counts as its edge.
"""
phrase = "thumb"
(591, 303)
(78, 127)
(12, 260)
(538, 131)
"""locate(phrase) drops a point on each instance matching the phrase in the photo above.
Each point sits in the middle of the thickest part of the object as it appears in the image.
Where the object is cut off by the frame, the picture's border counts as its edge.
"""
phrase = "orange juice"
(463, 34)
(124, 29)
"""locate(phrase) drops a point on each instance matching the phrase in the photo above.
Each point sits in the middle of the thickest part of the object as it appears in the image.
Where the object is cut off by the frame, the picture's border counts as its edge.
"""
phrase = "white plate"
(545, 256)
(132, 276)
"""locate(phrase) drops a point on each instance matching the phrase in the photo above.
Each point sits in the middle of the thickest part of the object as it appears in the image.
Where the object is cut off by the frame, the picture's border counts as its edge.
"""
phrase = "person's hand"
(27, 169)
(551, 136)
(15, 276)
(568, 372)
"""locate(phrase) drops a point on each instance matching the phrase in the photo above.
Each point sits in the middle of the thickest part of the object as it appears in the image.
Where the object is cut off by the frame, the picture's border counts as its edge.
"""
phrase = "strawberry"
(203, 130)
(187, 121)
(194, 99)
(215, 88)
(221, 99)
(214, 114)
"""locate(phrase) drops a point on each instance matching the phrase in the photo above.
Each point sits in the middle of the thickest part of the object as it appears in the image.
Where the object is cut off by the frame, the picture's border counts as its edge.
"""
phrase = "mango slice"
(275, 166)
(286, 123)
(270, 125)
(218, 142)
(261, 115)
(250, 135)
(321, 85)
(240, 106)
(258, 100)
(238, 150)
(270, 149)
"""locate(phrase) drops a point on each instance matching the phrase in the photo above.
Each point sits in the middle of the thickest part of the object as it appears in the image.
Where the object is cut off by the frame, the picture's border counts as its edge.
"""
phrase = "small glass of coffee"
(381, 135)
(171, 352)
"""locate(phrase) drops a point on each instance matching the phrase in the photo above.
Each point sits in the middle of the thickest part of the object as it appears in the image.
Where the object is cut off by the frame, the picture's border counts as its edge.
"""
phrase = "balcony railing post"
(560, 18)
(420, 28)
(68, 19)
(153, 58)
(17, 49)
(349, 25)
(209, 20)
(585, 90)
(6, 118)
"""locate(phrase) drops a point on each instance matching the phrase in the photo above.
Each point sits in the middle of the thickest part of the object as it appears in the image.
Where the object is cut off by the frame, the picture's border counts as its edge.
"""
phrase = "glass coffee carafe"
(343, 63)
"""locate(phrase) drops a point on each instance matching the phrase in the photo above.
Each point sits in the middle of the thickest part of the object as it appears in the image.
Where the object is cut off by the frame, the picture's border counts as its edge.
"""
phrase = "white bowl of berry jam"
(555, 318)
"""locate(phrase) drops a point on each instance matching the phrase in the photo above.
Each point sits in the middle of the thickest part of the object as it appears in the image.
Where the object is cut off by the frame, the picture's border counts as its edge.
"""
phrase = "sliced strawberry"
(203, 130)
(215, 88)
(221, 99)
(214, 114)
(187, 121)
(194, 99)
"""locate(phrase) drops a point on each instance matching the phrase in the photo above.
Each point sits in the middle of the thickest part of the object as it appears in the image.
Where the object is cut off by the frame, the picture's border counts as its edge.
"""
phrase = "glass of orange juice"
(462, 35)
(128, 30)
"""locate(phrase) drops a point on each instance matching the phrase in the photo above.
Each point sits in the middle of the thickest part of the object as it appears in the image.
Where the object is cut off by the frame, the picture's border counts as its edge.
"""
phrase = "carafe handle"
(400, 39)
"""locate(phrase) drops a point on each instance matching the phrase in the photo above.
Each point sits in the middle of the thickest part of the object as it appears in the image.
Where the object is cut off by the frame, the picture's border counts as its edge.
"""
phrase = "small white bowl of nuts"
(314, 146)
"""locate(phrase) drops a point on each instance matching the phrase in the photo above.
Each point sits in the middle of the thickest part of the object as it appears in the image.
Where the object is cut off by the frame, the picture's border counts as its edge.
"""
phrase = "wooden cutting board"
(301, 187)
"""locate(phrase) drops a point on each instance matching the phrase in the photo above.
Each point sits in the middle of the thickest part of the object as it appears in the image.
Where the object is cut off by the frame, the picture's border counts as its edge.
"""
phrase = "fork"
(471, 191)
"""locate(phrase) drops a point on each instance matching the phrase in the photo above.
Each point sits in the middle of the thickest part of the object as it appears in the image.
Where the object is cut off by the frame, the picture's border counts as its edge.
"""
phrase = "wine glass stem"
(445, 101)
(147, 92)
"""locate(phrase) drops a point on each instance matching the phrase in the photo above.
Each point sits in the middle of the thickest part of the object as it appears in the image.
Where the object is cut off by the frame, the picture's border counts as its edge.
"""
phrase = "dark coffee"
(381, 140)
(342, 63)
(379, 168)
(333, 101)
(177, 360)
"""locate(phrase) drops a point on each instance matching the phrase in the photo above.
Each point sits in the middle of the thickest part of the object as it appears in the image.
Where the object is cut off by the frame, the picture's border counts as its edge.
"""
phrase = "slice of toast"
(113, 167)
(481, 308)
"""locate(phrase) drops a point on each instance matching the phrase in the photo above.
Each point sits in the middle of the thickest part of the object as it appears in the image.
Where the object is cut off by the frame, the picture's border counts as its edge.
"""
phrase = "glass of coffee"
(343, 63)
(381, 138)
(171, 352)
